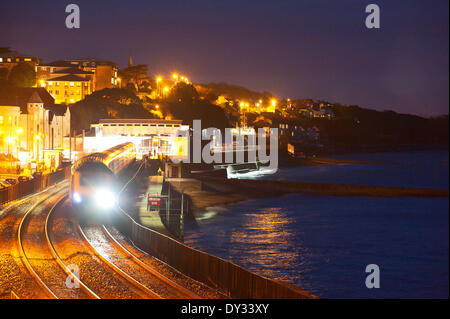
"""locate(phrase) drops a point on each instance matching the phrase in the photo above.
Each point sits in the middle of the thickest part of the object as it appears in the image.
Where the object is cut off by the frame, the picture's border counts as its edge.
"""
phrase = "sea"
(324, 244)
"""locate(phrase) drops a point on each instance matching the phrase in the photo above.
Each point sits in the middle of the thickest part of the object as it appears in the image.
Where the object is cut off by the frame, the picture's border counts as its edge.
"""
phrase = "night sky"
(304, 48)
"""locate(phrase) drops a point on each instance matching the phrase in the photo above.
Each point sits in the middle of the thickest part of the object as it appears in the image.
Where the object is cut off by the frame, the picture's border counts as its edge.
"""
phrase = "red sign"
(154, 201)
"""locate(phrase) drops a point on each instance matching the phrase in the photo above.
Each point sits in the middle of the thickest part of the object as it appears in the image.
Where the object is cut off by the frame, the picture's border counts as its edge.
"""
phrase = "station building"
(153, 137)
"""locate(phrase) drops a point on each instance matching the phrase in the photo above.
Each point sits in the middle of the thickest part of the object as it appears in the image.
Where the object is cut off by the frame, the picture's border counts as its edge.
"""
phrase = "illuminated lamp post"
(38, 138)
(274, 103)
(158, 86)
(10, 140)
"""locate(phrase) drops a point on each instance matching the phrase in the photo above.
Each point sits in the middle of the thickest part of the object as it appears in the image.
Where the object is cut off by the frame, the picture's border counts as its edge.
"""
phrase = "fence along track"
(34, 186)
(147, 267)
(124, 275)
(233, 280)
(66, 269)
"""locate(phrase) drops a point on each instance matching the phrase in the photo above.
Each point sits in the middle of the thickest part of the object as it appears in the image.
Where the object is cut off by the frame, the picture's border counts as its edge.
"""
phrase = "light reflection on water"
(270, 240)
(323, 243)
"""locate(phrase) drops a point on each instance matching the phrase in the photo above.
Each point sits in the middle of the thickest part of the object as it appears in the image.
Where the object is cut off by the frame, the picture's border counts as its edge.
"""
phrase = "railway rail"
(50, 242)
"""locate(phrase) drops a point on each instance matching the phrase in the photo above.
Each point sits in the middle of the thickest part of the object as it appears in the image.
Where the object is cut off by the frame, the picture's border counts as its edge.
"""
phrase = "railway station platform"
(151, 219)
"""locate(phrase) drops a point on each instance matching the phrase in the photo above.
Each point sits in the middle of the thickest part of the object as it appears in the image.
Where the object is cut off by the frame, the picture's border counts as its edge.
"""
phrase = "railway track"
(36, 253)
(130, 266)
(42, 258)
(68, 261)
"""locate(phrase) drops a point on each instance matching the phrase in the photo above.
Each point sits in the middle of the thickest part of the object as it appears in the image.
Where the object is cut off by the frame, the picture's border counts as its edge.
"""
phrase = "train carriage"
(93, 184)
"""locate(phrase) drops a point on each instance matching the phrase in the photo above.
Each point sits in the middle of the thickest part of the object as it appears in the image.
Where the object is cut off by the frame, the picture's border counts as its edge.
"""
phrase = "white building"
(154, 137)
(31, 123)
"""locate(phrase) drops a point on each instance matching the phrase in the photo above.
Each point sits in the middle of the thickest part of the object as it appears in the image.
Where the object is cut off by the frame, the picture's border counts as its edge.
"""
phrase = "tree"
(183, 103)
(134, 75)
(107, 103)
(182, 92)
(22, 75)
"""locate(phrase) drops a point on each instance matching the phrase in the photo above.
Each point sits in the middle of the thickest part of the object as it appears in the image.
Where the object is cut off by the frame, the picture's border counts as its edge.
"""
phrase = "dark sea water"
(324, 243)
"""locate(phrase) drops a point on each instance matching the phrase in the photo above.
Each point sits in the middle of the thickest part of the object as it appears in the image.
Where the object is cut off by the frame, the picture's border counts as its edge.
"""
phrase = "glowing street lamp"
(158, 88)
(166, 90)
(10, 141)
(38, 138)
(274, 103)
(175, 76)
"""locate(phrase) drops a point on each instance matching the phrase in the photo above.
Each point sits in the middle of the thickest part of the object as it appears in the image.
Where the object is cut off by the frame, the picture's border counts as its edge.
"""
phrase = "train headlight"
(76, 198)
(104, 198)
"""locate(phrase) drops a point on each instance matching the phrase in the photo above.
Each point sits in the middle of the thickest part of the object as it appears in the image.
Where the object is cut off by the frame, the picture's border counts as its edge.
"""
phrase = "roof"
(71, 70)
(59, 63)
(138, 121)
(102, 159)
(35, 98)
(56, 110)
(69, 78)
(21, 96)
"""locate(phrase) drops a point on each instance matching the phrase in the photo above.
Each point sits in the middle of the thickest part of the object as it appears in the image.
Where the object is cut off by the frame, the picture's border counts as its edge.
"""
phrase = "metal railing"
(37, 184)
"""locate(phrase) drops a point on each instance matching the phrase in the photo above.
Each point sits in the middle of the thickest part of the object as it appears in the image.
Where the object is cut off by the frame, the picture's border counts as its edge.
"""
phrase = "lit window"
(27, 59)
(71, 100)
(1, 119)
(72, 84)
(50, 83)
(1, 59)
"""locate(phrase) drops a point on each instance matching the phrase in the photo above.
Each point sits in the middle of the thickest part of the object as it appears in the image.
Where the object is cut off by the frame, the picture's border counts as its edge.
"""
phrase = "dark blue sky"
(304, 48)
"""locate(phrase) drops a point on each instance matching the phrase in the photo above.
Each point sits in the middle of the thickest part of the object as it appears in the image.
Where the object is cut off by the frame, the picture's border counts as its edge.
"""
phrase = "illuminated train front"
(93, 184)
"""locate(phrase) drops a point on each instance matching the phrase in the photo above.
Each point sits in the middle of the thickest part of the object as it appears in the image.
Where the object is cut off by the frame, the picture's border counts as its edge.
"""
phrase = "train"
(93, 182)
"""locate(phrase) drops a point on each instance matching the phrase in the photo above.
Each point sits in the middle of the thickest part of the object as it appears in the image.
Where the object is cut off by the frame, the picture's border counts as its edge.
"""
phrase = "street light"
(38, 138)
(10, 140)
(274, 103)
(158, 89)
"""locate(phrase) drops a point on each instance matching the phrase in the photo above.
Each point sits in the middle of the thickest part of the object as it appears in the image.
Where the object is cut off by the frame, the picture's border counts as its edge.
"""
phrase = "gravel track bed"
(39, 255)
(164, 269)
(14, 276)
(104, 246)
(94, 273)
